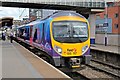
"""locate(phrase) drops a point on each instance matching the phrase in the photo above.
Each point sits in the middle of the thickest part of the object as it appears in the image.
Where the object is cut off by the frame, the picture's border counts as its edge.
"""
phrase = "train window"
(70, 31)
(31, 28)
(43, 32)
(35, 36)
(21, 31)
(25, 30)
(40, 34)
(27, 33)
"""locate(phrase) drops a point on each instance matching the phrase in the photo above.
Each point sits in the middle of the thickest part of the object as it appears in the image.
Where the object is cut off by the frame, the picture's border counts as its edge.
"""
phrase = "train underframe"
(73, 63)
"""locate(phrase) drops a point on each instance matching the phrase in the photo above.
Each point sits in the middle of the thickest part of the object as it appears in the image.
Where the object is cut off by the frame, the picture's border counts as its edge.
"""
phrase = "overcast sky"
(14, 12)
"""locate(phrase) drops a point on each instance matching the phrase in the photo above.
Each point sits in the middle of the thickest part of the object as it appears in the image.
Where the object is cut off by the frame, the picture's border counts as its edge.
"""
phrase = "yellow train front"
(70, 38)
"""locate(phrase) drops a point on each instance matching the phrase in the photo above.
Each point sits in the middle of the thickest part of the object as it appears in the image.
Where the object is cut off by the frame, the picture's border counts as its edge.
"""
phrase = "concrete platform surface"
(112, 49)
(14, 64)
(17, 62)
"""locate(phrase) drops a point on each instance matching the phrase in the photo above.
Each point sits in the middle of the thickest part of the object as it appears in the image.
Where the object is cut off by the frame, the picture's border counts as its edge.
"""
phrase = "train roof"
(63, 13)
(33, 23)
(21, 26)
(54, 15)
(66, 13)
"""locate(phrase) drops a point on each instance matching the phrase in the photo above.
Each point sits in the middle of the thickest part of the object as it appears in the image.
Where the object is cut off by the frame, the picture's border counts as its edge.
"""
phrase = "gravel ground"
(91, 73)
(116, 71)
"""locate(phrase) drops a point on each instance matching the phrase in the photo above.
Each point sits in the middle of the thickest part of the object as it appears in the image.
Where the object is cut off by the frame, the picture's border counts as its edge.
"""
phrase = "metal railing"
(81, 3)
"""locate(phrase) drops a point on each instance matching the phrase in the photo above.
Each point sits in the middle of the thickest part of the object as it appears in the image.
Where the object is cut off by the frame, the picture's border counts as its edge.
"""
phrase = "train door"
(39, 34)
(21, 31)
(27, 32)
(35, 35)
(43, 33)
(31, 28)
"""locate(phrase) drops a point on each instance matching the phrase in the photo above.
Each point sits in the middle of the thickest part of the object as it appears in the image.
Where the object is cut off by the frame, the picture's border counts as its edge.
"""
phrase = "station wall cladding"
(112, 39)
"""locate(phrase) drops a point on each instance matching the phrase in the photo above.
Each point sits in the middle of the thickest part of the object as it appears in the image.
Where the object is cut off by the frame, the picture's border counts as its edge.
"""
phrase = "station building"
(40, 13)
(109, 17)
(108, 24)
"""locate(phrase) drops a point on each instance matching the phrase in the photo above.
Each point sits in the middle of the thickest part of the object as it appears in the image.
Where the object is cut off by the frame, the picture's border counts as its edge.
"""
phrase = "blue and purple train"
(64, 37)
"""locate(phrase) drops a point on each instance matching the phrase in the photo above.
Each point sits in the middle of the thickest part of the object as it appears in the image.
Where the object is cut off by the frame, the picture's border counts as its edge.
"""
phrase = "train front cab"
(70, 37)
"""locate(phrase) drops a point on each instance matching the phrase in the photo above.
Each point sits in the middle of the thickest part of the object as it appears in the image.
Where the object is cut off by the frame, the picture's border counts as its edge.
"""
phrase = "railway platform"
(107, 54)
(18, 62)
(111, 49)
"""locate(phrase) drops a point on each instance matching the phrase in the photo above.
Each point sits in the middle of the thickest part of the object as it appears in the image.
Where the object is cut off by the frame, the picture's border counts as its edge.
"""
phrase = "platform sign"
(105, 24)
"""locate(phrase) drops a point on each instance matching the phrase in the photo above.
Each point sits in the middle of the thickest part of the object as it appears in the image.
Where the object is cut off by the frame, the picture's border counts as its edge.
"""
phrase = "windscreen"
(70, 31)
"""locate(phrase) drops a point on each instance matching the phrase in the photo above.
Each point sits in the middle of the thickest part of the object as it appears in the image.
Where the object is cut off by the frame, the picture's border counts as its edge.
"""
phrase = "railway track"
(77, 76)
(97, 70)
(106, 68)
(92, 73)
(100, 70)
(74, 75)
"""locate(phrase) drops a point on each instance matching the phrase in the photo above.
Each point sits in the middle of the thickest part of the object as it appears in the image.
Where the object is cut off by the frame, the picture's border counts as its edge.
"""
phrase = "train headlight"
(84, 49)
(58, 49)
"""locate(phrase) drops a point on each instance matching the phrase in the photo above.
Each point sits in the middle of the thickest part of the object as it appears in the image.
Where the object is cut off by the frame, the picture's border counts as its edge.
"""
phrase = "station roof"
(6, 21)
(80, 9)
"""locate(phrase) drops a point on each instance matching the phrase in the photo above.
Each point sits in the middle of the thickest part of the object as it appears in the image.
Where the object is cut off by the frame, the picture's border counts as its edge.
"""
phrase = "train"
(63, 38)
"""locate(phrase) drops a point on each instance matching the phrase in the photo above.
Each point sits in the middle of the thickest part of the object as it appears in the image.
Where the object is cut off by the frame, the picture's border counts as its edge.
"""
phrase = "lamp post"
(106, 23)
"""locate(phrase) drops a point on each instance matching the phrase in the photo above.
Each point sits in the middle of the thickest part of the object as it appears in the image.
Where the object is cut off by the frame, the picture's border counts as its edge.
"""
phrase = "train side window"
(35, 36)
(31, 28)
(27, 33)
(40, 32)
(21, 32)
(43, 32)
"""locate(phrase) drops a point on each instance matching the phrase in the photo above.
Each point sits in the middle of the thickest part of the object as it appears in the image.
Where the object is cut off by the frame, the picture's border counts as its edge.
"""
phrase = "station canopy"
(6, 21)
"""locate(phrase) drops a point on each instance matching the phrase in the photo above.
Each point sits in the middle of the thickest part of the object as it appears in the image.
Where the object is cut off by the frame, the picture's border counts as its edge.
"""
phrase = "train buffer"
(18, 62)
(108, 48)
